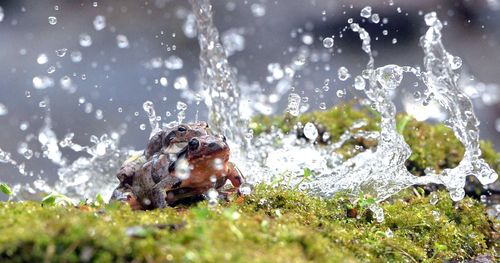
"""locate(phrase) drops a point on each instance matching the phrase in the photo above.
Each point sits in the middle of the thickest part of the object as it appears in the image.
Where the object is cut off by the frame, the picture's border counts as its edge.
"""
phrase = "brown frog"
(170, 141)
(174, 139)
(209, 166)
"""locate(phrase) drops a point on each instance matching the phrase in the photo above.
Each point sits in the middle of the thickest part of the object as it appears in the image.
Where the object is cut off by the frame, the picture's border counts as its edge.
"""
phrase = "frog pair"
(178, 164)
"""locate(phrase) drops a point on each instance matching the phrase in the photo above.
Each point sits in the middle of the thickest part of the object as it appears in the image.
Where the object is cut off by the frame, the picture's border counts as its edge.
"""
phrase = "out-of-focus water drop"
(181, 83)
(359, 83)
(99, 22)
(85, 40)
(76, 56)
(42, 59)
(163, 81)
(366, 12)
(310, 131)
(42, 82)
(328, 42)
(61, 52)
(245, 189)
(2, 14)
(343, 73)
(122, 41)
(182, 169)
(258, 9)
(52, 20)
(3, 110)
(174, 63)
(390, 76)
(293, 104)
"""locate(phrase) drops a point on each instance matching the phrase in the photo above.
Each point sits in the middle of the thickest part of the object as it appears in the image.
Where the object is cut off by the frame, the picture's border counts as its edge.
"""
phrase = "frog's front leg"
(234, 175)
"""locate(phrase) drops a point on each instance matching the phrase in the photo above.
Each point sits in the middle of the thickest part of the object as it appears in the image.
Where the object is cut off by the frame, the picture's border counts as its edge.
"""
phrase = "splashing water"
(218, 78)
(380, 171)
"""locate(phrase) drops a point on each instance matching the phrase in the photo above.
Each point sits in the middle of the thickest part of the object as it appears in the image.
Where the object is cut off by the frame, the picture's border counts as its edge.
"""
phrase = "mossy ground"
(273, 224)
(433, 146)
(270, 225)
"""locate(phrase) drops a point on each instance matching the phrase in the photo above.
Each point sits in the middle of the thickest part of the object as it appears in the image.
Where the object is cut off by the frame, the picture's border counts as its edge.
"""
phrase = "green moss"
(271, 225)
(433, 146)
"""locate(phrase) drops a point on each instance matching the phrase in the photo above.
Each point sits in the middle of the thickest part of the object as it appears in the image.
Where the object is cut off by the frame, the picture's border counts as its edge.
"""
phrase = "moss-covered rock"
(433, 146)
(271, 225)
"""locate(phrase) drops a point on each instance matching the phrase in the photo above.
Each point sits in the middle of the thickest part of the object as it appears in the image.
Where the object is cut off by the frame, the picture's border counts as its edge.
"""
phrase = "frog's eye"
(193, 144)
(182, 129)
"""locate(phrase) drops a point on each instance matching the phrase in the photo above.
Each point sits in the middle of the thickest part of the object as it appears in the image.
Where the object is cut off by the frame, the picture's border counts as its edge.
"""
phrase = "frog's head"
(178, 138)
(207, 147)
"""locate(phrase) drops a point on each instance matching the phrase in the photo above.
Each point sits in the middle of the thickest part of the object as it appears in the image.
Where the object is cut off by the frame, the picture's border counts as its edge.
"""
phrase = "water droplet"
(433, 198)
(212, 193)
(182, 170)
(85, 40)
(181, 106)
(328, 42)
(2, 15)
(174, 63)
(245, 189)
(378, 212)
(61, 52)
(310, 131)
(99, 22)
(218, 164)
(390, 76)
(366, 12)
(359, 83)
(42, 104)
(457, 194)
(52, 20)
(307, 39)
(233, 41)
(340, 93)
(181, 83)
(3, 110)
(42, 82)
(24, 125)
(258, 10)
(51, 69)
(42, 59)
(430, 18)
(76, 56)
(456, 63)
(376, 19)
(142, 127)
(163, 81)
(293, 104)
(122, 41)
(389, 233)
(322, 105)
(343, 73)
(28, 154)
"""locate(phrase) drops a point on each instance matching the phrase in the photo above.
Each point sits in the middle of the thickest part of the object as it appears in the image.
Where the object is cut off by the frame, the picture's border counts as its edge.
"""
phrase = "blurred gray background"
(116, 81)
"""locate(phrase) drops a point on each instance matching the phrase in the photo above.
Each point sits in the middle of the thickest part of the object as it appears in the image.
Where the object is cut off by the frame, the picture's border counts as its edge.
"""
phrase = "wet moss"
(433, 145)
(271, 225)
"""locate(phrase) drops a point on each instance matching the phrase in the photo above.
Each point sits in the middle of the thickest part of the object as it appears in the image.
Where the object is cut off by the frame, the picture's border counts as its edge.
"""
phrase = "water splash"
(382, 172)
(218, 77)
